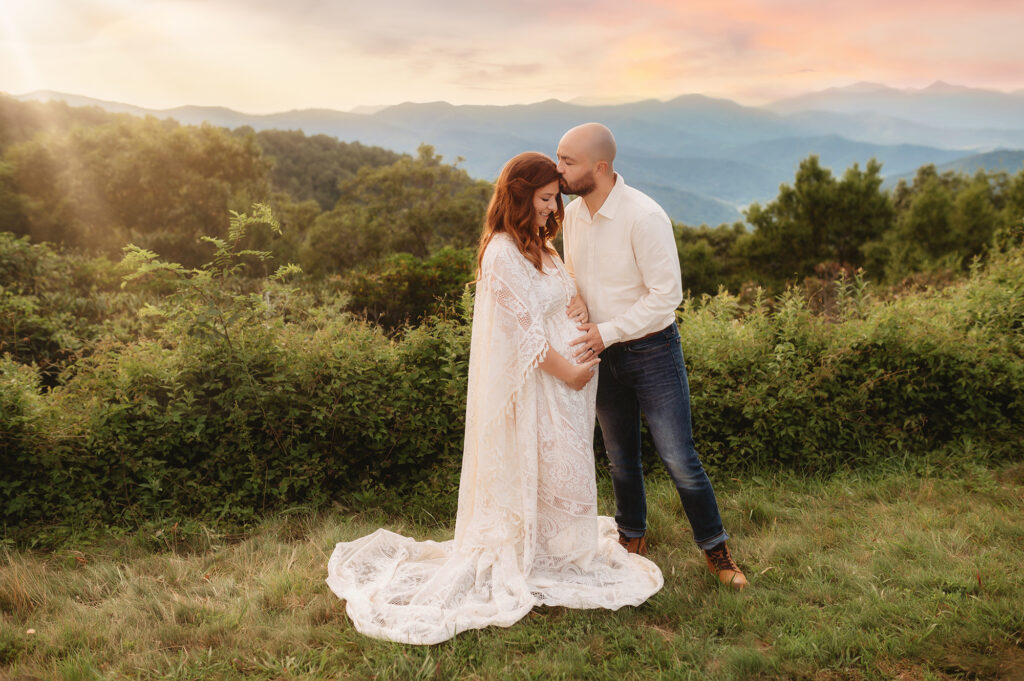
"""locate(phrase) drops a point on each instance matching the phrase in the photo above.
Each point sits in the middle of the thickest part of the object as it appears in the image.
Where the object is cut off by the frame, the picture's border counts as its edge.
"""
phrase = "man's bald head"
(585, 157)
(593, 140)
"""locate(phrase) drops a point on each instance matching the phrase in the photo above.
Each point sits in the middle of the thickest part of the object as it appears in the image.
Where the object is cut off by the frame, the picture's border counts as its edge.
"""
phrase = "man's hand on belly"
(589, 344)
(577, 311)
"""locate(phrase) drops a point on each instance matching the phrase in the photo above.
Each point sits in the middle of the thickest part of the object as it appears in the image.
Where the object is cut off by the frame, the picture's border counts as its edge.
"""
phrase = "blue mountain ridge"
(702, 158)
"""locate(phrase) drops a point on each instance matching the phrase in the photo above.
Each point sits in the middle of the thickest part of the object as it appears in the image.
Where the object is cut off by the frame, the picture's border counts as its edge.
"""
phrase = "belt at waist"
(623, 344)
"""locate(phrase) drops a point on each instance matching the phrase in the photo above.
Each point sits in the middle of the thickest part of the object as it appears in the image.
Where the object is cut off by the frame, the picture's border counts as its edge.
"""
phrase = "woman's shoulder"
(501, 246)
(503, 258)
(500, 240)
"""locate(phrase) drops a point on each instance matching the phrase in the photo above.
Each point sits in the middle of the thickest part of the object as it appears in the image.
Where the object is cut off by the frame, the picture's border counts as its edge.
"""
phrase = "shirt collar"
(611, 202)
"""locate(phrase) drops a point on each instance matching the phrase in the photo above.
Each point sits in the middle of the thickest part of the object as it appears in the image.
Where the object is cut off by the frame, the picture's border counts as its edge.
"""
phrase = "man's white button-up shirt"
(625, 263)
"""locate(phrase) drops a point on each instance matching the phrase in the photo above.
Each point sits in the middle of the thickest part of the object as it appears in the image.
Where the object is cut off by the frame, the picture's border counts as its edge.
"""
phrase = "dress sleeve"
(508, 339)
(498, 485)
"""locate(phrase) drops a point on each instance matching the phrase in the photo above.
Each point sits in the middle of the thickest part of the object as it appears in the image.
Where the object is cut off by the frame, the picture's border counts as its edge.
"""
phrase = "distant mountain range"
(939, 105)
(703, 159)
(1007, 160)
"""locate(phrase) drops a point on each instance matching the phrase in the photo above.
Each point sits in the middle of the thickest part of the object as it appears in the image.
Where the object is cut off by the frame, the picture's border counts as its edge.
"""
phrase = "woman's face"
(545, 202)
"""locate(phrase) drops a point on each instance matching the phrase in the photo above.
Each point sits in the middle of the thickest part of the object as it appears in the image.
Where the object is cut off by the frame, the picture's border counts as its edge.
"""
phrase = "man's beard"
(585, 185)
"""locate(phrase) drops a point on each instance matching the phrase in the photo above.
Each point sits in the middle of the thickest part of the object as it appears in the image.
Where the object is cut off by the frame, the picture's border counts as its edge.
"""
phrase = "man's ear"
(602, 166)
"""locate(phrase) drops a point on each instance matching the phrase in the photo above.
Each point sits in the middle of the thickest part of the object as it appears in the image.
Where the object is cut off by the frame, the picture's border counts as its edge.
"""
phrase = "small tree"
(818, 219)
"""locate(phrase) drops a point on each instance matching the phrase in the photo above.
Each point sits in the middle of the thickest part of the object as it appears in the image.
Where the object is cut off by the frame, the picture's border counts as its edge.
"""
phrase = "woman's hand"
(573, 375)
(577, 310)
(582, 373)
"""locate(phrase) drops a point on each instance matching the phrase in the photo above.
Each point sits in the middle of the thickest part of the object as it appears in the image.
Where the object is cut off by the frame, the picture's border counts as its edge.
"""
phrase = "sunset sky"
(261, 56)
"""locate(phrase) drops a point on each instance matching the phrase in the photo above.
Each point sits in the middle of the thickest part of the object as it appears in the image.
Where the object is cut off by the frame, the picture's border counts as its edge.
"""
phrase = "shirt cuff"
(609, 334)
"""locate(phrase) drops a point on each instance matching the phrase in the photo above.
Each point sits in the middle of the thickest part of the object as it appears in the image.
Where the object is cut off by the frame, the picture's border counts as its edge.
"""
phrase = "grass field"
(893, 575)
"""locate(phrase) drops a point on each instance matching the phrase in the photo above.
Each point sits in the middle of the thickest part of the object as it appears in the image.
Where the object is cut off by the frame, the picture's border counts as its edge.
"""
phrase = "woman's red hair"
(511, 209)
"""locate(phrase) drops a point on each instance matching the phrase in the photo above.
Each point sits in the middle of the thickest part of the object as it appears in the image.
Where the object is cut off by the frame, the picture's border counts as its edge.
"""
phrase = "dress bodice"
(555, 289)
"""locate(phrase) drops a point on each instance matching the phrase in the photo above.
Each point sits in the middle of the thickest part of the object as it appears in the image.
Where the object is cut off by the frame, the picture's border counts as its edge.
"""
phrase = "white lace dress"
(527, 531)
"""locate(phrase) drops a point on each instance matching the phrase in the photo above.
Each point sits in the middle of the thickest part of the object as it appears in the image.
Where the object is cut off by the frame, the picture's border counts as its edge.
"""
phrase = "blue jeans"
(649, 376)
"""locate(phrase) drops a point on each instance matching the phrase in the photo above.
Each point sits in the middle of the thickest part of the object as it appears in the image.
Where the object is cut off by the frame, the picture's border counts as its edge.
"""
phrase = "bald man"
(620, 248)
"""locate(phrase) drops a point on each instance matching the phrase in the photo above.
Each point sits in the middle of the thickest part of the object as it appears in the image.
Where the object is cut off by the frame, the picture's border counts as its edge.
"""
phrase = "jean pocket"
(649, 345)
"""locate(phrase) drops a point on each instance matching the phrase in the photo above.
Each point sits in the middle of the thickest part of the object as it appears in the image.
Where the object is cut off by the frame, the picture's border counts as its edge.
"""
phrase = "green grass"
(862, 576)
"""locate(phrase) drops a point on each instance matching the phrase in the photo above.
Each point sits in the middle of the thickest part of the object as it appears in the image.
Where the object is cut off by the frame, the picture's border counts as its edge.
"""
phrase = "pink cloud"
(905, 42)
(327, 53)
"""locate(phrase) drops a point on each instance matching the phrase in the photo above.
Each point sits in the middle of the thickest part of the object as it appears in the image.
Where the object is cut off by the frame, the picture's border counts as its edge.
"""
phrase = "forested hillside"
(312, 167)
(704, 159)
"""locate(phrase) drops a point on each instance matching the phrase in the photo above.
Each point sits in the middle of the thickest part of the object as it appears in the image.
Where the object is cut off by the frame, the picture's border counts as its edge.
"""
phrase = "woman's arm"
(576, 376)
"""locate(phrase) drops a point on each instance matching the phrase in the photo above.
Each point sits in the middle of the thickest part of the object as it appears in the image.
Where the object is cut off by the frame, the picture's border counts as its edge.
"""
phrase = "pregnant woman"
(527, 531)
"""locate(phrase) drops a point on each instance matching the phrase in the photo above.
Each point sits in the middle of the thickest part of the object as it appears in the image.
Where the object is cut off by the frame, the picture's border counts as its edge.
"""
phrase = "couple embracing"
(552, 344)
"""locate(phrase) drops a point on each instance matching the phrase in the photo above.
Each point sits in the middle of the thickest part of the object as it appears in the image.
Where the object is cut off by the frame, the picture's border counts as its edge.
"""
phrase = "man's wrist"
(609, 334)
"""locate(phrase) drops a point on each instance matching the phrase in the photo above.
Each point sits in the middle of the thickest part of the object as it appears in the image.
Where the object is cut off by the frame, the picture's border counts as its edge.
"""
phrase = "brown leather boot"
(722, 565)
(636, 545)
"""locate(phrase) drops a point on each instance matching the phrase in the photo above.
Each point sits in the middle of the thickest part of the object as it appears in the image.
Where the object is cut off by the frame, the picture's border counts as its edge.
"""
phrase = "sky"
(263, 56)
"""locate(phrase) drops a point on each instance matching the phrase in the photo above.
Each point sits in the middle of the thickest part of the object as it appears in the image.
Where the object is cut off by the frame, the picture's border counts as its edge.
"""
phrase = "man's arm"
(654, 248)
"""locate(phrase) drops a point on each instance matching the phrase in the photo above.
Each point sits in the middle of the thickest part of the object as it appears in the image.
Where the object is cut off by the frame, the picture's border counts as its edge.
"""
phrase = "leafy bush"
(225, 409)
(246, 397)
(405, 289)
(54, 307)
(19, 437)
(901, 378)
(276, 417)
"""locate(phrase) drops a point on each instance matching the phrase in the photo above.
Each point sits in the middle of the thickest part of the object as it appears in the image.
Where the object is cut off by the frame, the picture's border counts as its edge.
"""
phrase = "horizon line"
(583, 101)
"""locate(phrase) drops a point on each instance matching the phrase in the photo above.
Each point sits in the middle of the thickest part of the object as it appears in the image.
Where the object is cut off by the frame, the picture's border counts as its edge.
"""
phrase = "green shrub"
(54, 307)
(901, 378)
(227, 410)
(277, 417)
(19, 439)
(406, 289)
(244, 397)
